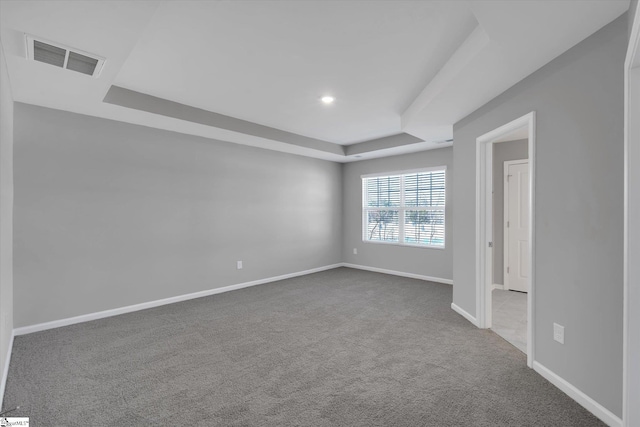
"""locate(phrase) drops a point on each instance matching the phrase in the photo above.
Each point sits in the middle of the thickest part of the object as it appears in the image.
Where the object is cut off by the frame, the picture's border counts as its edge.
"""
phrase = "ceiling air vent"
(63, 56)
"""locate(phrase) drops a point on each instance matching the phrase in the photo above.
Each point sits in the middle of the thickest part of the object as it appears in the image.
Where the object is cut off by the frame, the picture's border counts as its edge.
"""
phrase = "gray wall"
(424, 261)
(6, 213)
(502, 152)
(633, 5)
(109, 214)
(578, 99)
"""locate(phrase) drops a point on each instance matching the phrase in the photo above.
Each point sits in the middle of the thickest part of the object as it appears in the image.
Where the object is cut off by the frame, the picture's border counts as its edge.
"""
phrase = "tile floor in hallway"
(509, 310)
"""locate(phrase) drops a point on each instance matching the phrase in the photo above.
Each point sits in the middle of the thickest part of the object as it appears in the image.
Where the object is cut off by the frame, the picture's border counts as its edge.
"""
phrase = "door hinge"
(490, 244)
(507, 270)
(507, 224)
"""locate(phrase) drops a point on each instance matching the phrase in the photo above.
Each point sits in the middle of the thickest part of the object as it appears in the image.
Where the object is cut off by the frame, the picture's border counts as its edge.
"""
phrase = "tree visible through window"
(405, 208)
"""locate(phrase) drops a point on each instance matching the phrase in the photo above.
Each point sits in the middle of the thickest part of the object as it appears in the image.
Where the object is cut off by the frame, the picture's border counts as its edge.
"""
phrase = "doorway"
(517, 247)
(511, 239)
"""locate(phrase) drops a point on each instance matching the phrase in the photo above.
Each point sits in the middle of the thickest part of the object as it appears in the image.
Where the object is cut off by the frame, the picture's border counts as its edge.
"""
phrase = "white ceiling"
(395, 68)
(270, 62)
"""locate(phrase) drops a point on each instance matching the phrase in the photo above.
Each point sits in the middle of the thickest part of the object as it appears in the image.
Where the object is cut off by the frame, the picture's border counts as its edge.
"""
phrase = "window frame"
(401, 209)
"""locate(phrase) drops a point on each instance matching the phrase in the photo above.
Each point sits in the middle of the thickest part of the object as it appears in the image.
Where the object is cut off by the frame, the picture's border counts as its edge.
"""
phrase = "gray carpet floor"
(338, 348)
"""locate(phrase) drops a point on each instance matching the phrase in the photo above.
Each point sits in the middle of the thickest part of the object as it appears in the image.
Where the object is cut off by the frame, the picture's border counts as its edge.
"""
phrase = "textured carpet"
(338, 348)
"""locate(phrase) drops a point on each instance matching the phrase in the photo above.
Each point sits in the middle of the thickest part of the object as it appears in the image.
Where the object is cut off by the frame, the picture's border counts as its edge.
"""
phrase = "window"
(405, 208)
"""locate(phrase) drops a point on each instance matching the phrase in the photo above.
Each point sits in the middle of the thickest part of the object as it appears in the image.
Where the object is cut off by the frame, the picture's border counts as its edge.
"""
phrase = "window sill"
(406, 245)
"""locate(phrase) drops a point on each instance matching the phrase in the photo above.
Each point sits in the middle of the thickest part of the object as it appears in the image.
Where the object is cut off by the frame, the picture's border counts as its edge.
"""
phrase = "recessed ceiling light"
(327, 99)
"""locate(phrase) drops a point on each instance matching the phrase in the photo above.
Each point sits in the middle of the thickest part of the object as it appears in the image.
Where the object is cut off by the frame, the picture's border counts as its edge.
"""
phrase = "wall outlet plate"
(355, 251)
(558, 333)
(239, 265)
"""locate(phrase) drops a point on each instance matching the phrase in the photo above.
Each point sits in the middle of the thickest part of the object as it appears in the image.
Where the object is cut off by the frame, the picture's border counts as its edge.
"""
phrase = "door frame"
(505, 208)
(631, 271)
(484, 226)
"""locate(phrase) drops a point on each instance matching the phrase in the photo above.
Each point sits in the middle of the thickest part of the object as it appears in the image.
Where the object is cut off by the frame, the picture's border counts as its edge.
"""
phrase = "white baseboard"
(5, 370)
(399, 273)
(570, 390)
(464, 314)
(496, 286)
(142, 306)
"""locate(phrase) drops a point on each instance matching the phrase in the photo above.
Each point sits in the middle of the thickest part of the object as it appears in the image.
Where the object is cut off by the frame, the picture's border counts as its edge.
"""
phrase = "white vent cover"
(63, 56)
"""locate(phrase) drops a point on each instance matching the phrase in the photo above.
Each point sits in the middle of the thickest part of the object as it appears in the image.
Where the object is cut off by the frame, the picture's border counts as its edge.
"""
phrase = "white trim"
(505, 229)
(143, 306)
(505, 209)
(404, 172)
(464, 314)
(631, 273)
(484, 226)
(5, 369)
(384, 242)
(399, 273)
(499, 287)
(531, 316)
(480, 242)
(573, 392)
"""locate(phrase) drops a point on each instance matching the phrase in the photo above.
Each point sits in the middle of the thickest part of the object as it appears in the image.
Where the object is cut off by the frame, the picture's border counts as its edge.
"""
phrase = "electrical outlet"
(355, 251)
(558, 333)
(239, 265)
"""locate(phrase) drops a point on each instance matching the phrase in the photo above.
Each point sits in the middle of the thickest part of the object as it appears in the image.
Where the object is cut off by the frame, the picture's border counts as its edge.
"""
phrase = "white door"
(516, 233)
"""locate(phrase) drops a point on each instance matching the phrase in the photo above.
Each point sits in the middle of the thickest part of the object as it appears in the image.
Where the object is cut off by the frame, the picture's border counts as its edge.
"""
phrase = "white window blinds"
(405, 208)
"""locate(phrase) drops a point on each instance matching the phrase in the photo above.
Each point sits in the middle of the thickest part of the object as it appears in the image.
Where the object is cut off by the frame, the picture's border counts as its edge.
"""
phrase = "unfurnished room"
(320, 213)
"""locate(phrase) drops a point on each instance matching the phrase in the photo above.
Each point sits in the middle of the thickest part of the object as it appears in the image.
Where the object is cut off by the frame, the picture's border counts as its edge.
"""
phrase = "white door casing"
(516, 223)
(631, 328)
